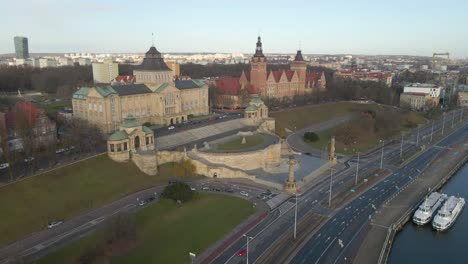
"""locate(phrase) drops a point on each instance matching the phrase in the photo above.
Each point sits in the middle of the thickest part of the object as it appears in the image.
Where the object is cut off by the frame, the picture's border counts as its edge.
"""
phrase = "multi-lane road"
(327, 243)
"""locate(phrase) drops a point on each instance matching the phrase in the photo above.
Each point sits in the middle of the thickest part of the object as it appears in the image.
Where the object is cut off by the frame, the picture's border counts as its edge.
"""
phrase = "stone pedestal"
(290, 185)
(332, 155)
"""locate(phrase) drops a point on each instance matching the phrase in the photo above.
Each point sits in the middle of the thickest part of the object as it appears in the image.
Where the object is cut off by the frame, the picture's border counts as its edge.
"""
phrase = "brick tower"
(258, 70)
(300, 67)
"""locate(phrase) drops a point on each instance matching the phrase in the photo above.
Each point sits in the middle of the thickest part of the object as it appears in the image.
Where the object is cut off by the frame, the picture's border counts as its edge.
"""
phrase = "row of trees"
(61, 81)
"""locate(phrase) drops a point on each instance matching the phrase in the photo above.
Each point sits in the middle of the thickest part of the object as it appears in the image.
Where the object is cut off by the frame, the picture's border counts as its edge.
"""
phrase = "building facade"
(463, 99)
(154, 98)
(366, 75)
(105, 72)
(416, 101)
(21, 48)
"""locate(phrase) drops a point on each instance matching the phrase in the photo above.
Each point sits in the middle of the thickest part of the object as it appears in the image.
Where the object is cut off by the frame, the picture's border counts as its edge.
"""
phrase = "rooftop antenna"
(152, 39)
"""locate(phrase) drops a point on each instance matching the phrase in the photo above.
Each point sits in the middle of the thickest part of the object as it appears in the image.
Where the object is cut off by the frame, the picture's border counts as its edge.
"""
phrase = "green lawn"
(27, 206)
(301, 117)
(235, 143)
(324, 143)
(53, 107)
(167, 232)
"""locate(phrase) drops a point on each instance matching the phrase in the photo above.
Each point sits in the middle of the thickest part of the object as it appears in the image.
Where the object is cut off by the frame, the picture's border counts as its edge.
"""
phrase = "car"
(142, 202)
(29, 159)
(244, 193)
(54, 224)
(150, 199)
(242, 252)
(230, 190)
(217, 189)
(171, 127)
(59, 151)
(206, 188)
(193, 188)
(4, 166)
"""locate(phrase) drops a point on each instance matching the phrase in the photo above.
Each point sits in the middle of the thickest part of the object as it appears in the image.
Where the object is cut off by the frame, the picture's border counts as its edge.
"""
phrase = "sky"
(396, 27)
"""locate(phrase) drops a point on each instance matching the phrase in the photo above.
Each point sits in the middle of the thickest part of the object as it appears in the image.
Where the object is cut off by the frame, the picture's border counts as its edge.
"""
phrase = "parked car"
(171, 127)
(206, 188)
(4, 166)
(193, 188)
(242, 252)
(54, 224)
(60, 151)
(142, 202)
(150, 199)
(29, 159)
(244, 193)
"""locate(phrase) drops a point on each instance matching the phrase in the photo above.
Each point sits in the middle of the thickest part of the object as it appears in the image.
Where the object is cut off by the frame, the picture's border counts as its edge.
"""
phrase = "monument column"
(290, 185)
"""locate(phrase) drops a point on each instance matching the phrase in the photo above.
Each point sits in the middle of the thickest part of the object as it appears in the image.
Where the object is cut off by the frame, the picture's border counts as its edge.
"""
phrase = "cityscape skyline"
(375, 28)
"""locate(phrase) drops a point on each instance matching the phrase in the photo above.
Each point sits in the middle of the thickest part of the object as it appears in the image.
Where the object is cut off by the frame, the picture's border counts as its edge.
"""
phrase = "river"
(415, 244)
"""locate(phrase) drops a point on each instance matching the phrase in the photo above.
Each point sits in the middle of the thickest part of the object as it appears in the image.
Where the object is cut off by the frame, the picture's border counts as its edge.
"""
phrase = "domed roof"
(153, 61)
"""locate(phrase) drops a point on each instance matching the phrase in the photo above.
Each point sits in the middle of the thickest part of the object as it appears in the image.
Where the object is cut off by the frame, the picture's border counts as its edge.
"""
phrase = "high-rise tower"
(21, 47)
(300, 66)
(258, 70)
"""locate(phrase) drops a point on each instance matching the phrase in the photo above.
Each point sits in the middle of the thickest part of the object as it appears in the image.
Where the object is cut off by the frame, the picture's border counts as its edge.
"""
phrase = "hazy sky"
(411, 27)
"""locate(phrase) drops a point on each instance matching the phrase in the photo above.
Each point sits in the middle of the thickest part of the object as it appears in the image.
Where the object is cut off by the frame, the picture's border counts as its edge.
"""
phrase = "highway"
(327, 245)
(315, 200)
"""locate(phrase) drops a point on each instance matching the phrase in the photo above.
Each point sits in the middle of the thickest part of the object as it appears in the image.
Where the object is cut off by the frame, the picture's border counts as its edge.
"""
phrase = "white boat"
(448, 213)
(428, 208)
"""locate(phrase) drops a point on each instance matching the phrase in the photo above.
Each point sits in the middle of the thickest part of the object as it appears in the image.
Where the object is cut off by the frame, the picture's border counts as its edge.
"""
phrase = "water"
(415, 244)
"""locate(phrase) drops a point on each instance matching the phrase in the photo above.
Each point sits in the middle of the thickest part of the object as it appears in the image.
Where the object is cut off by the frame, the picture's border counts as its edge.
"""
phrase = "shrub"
(147, 124)
(178, 191)
(311, 136)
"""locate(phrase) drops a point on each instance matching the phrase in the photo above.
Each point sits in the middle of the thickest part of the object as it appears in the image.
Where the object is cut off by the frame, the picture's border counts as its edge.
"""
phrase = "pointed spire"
(259, 50)
(152, 39)
(299, 56)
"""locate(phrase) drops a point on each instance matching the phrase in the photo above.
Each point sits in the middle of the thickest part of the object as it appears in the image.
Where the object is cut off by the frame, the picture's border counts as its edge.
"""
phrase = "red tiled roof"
(289, 74)
(125, 78)
(228, 85)
(277, 75)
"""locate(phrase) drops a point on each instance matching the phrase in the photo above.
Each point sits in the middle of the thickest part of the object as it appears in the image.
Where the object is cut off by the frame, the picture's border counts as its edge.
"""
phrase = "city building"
(21, 47)
(416, 101)
(154, 97)
(174, 66)
(435, 91)
(124, 79)
(84, 61)
(64, 61)
(47, 62)
(105, 72)
(365, 75)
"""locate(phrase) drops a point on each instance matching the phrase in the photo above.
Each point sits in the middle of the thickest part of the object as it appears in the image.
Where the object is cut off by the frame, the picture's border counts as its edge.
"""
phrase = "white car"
(171, 127)
(54, 224)
(244, 193)
(193, 188)
(29, 159)
(59, 151)
(4, 166)
(206, 188)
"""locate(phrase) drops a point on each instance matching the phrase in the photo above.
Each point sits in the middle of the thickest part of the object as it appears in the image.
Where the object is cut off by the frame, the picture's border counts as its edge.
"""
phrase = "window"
(125, 146)
(147, 141)
(119, 147)
(112, 147)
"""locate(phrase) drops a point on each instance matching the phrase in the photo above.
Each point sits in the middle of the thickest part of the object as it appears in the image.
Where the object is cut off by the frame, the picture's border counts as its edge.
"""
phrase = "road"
(315, 199)
(47, 240)
(328, 243)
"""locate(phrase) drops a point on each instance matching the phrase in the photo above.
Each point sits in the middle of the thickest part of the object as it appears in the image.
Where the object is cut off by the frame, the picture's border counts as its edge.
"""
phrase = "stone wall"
(122, 156)
(169, 156)
(244, 160)
(147, 163)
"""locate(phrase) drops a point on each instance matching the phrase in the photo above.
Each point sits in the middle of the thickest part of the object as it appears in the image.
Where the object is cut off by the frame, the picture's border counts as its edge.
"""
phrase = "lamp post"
(247, 246)
(357, 169)
(331, 184)
(443, 123)
(381, 155)
(401, 146)
(461, 115)
(432, 129)
(453, 118)
(417, 137)
(295, 219)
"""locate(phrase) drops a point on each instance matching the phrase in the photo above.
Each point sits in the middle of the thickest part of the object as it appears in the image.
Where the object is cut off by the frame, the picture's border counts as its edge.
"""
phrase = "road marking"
(321, 255)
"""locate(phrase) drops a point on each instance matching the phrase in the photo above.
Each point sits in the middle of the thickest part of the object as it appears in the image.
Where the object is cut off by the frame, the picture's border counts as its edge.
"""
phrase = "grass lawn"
(305, 116)
(167, 232)
(235, 143)
(28, 205)
(53, 107)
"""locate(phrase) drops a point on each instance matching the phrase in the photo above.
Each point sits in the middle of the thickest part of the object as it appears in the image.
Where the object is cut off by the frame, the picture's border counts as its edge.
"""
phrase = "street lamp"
(443, 123)
(295, 219)
(453, 118)
(247, 247)
(357, 168)
(401, 146)
(331, 184)
(417, 137)
(381, 155)
(192, 257)
(432, 129)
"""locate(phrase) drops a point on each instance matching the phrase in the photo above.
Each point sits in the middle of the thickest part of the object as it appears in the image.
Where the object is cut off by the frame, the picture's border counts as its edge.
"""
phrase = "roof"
(312, 77)
(416, 94)
(125, 79)
(118, 135)
(161, 87)
(147, 130)
(228, 85)
(277, 75)
(131, 89)
(299, 56)
(289, 74)
(251, 108)
(105, 91)
(259, 50)
(188, 84)
(153, 61)
(256, 99)
(81, 93)
(130, 121)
